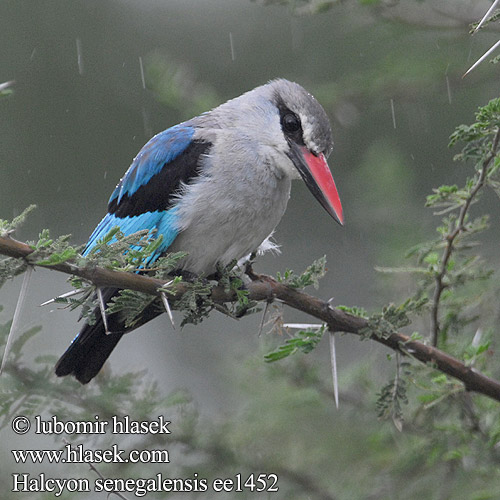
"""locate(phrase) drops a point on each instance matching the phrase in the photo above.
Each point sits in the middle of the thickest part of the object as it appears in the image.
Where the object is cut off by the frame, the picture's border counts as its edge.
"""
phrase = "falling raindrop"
(141, 66)
(79, 55)
(233, 56)
(393, 114)
(33, 52)
(448, 88)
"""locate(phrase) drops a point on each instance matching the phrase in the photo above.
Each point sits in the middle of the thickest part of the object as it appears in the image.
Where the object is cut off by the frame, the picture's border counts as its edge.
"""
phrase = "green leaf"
(58, 258)
(355, 311)
(304, 341)
(310, 276)
(7, 227)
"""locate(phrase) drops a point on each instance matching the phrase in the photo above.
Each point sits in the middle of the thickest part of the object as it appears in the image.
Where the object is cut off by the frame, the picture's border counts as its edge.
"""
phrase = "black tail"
(88, 352)
(92, 346)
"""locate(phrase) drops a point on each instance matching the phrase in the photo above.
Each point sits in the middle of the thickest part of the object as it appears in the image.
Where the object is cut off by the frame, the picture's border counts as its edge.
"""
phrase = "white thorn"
(164, 299)
(63, 296)
(483, 20)
(262, 321)
(333, 359)
(6, 85)
(481, 59)
(102, 307)
(303, 326)
(17, 314)
(477, 337)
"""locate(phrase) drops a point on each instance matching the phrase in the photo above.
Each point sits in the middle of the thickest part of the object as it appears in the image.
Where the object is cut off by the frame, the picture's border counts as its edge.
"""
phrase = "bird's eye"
(291, 123)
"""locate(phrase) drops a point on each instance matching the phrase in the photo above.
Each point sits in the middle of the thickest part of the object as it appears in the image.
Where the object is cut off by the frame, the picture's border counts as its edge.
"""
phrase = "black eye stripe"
(291, 126)
(290, 123)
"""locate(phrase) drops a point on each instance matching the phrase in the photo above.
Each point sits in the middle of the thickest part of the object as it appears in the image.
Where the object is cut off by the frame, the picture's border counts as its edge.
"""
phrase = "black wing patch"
(157, 193)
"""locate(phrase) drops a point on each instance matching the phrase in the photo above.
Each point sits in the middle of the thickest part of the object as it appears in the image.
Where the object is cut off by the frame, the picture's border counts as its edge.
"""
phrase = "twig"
(450, 240)
(266, 288)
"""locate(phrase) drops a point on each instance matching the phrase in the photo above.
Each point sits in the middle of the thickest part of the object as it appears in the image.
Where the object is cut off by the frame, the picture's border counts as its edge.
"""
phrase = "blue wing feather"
(144, 197)
(164, 222)
(159, 151)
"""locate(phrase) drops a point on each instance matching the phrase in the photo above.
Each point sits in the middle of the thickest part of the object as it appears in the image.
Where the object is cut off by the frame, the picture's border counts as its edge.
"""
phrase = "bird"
(214, 187)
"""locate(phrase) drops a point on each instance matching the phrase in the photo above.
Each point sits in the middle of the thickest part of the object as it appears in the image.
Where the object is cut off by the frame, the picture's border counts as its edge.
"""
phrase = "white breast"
(232, 208)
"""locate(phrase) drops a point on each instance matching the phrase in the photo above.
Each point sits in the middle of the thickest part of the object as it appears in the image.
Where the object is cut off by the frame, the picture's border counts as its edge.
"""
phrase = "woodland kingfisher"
(215, 187)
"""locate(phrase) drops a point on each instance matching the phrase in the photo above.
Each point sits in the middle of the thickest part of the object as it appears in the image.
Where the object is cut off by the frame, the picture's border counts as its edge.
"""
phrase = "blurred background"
(95, 79)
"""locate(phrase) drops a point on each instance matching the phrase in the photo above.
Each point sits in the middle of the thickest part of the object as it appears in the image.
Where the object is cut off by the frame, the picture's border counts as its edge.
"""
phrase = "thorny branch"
(266, 288)
(451, 237)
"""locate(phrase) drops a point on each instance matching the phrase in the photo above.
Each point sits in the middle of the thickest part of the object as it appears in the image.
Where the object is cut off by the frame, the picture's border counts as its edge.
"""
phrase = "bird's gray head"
(290, 132)
(303, 120)
(305, 128)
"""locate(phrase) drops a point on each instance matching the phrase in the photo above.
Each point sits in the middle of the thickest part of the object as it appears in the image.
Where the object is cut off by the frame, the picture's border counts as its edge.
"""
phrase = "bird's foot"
(186, 275)
(249, 268)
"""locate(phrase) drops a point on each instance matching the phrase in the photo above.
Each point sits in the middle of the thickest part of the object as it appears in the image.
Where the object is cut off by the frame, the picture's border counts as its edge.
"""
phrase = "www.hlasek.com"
(79, 454)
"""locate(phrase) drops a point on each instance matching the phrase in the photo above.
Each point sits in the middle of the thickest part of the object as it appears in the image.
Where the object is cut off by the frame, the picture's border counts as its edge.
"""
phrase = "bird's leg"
(252, 274)
(249, 267)
(186, 275)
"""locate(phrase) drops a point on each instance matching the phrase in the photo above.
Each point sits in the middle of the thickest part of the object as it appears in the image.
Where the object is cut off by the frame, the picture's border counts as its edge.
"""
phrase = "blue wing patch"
(165, 223)
(158, 151)
(165, 163)
(145, 197)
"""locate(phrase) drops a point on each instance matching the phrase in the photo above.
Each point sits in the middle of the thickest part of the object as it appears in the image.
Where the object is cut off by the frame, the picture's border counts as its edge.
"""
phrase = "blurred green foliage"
(448, 447)
(286, 423)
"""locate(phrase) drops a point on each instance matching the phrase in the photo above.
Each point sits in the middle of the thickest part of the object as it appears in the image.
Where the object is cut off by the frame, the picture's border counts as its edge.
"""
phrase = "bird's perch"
(266, 288)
